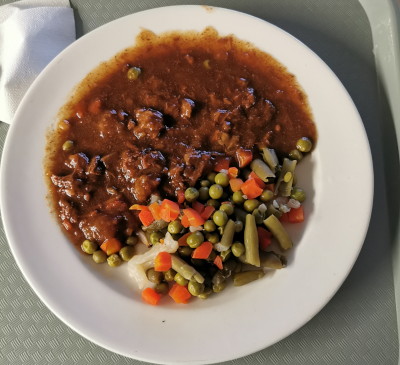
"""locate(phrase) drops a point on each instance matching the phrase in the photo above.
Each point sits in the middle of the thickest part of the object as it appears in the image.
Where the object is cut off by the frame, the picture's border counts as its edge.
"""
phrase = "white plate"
(98, 305)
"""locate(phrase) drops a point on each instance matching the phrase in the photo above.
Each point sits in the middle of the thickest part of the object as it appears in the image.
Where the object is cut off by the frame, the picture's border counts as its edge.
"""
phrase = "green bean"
(262, 170)
(258, 216)
(245, 277)
(295, 155)
(271, 210)
(279, 232)
(270, 158)
(225, 255)
(272, 260)
(229, 232)
(283, 187)
(251, 241)
(187, 271)
(157, 225)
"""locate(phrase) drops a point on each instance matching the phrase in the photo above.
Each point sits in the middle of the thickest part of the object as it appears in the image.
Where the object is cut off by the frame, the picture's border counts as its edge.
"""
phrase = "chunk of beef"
(152, 161)
(67, 211)
(144, 186)
(98, 226)
(198, 163)
(187, 106)
(95, 167)
(149, 123)
(245, 98)
(108, 125)
(78, 162)
(114, 206)
(71, 186)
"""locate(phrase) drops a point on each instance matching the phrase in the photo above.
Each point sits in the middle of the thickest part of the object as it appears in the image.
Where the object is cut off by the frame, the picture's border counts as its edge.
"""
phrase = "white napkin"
(32, 33)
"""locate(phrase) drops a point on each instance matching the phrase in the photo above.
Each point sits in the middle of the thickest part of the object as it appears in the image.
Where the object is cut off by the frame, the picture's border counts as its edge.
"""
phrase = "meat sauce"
(194, 99)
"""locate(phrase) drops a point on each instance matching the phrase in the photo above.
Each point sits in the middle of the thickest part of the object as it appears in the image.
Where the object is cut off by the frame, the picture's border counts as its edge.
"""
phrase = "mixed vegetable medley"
(228, 227)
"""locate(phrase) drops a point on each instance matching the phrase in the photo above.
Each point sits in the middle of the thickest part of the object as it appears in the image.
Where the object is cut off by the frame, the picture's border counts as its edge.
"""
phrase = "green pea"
(195, 239)
(211, 177)
(89, 247)
(134, 73)
(191, 194)
(175, 227)
(237, 197)
(251, 204)
(195, 288)
(185, 251)
(162, 288)
(126, 253)
(204, 193)
(179, 279)
(304, 144)
(67, 145)
(155, 277)
(205, 183)
(99, 256)
(205, 294)
(298, 194)
(114, 260)
(220, 218)
(295, 155)
(238, 249)
(238, 226)
(214, 203)
(219, 287)
(209, 226)
(227, 208)
(213, 237)
(132, 240)
(222, 179)
(155, 237)
(216, 191)
(169, 275)
(266, 195)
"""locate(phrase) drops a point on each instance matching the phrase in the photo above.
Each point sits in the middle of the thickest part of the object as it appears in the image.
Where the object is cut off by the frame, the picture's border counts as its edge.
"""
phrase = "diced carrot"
(222, 163)
(185, 221)
(235, 184)
(264, 238)
(179, 293)
(163, 261)
(244, 157)
(218, 262)
(155, 210)
(180, 196)
(150, 296)
(296, 215)
(251, 189)
(146, 217)
(207, 212)
(111, 245)
(95, 106)
(260, 183)
(195, 219)
(182, 240)
(233, 172)
(138, 207)
(198, 207)
(203, 251)
(169, 210)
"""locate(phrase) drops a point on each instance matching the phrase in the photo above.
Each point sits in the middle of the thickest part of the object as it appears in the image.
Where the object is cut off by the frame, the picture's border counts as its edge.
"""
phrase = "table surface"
(358, 326)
